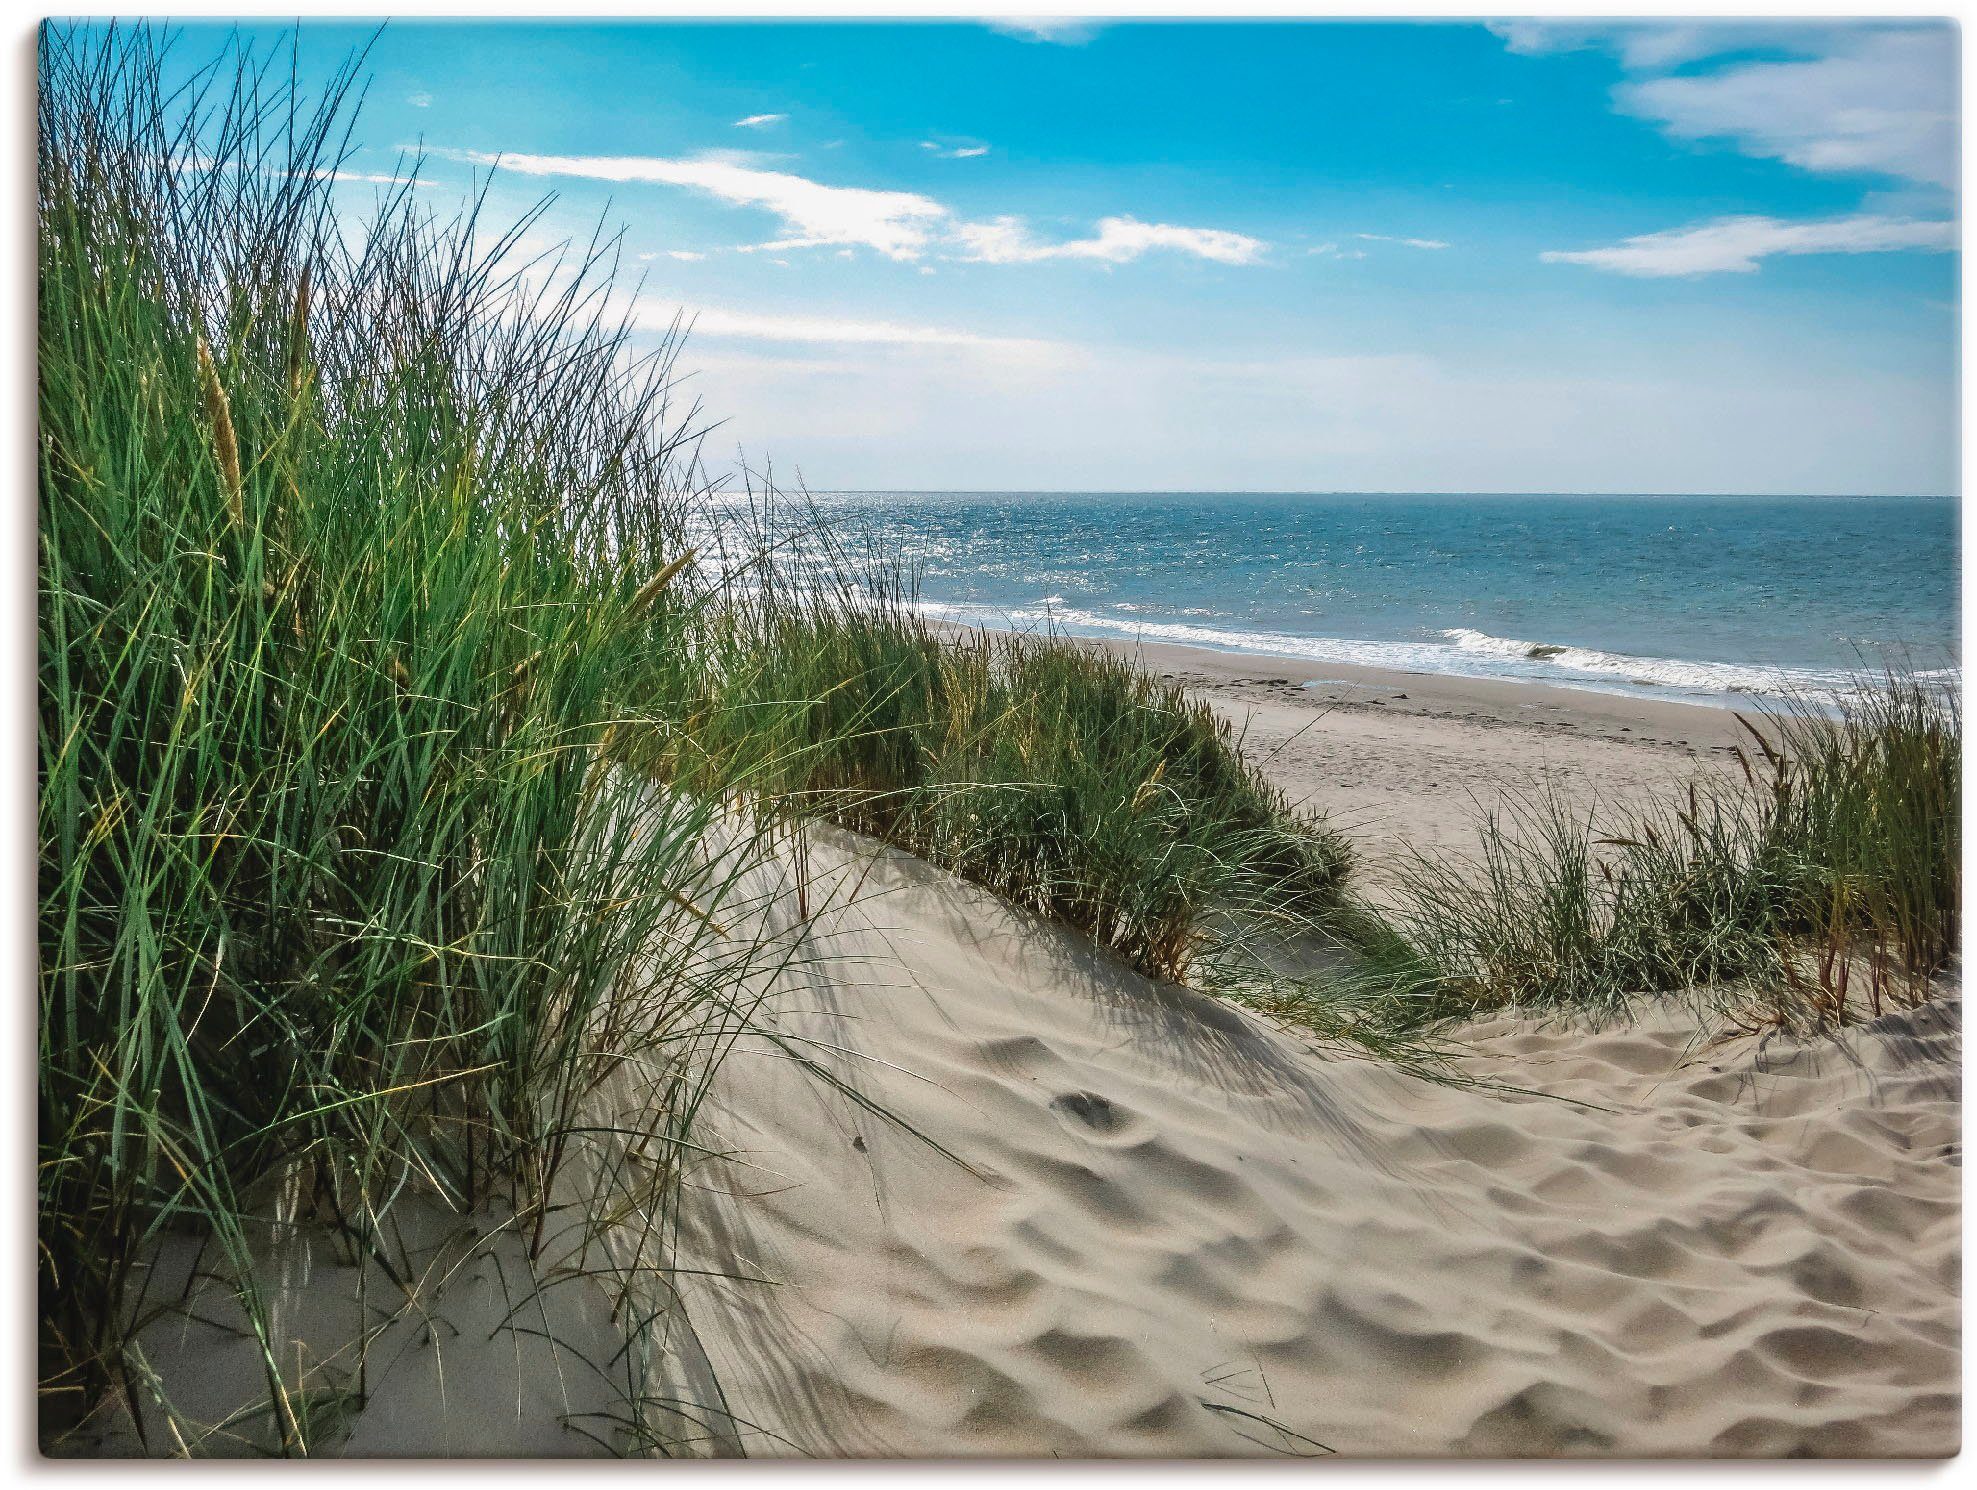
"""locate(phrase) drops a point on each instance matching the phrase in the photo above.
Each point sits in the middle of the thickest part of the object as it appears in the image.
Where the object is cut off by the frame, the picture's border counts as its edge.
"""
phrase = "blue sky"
(1430, 256)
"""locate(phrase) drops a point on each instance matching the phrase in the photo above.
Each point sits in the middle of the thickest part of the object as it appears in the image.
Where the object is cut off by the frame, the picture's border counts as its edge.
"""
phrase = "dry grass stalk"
(298, 335)
(650, 590)
(225, 447)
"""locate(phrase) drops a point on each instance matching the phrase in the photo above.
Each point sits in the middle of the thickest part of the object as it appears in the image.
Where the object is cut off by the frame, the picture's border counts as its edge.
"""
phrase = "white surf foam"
(1458, 651)
(1545, 658)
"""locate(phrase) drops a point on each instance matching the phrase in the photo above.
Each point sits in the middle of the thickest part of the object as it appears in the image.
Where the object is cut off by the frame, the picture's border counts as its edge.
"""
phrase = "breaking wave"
(1546, 659)
(1457, 651)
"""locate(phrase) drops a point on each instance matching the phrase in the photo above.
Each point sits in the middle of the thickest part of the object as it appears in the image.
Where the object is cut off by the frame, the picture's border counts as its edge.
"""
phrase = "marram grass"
(1067, 780)
(352, 541)
(1817, 886)
(389, 708)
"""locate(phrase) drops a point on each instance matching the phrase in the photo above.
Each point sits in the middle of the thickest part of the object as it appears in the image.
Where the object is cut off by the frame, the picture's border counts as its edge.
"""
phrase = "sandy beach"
(1412, 758)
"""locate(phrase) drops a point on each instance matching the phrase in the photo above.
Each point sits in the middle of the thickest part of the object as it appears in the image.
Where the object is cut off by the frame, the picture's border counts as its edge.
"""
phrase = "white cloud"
(1881, 101)
(722, 324)
(759, 121)
(1533, 37)
(1409, 242)
(955, 152)
(1006, 240)
(751, 160)
(1646, 45)
(368, 178)
(419, 100)
(1846, 97)
(902, 225)
(1064, 30)
(897, 224)
(1734, 245)
(685, 255)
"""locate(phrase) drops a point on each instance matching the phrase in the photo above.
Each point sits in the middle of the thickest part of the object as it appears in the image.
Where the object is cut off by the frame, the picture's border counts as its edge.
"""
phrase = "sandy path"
(1186, 1233)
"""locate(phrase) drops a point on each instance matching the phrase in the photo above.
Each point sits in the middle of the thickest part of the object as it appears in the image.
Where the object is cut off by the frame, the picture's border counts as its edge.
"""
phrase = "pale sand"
(1186, 1233)
(1168, 1228)
(1400, 759)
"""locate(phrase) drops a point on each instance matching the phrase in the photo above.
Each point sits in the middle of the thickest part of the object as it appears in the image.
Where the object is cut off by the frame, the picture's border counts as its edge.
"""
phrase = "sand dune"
(1170, 1229)
(1106, 1217)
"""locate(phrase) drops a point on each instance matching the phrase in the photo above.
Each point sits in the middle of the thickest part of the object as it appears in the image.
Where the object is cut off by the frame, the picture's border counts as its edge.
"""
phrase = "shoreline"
(1679, 722)
(1630, 718)
(1708, 683)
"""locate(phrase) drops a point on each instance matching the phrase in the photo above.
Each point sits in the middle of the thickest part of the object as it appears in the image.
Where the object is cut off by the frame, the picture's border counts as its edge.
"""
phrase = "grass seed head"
(652, 588)
(226, 448)
(298, 335)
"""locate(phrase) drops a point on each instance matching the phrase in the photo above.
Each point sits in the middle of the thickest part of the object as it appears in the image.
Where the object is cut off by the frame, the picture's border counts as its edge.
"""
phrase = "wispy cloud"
(1832, 98)
(1070, 31)
(902, 225)
(1736, 245)
(419, 100)
(341, 175)
(368, 178)
(1408, 242)
(1881, 101)
(1007, 240)
(724, 324)
(954, 152)
(759, 121)
(1642, 45)
(897, 224)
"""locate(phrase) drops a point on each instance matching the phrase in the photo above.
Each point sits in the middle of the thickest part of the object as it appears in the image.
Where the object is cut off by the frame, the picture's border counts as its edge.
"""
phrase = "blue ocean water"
(1705, 597)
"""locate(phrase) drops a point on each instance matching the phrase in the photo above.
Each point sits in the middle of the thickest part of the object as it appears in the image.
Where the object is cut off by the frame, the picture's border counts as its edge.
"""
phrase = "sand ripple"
(1186, 1234)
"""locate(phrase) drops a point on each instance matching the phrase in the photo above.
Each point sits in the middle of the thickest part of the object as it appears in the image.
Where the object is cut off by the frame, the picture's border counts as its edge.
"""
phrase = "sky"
(1437, 256)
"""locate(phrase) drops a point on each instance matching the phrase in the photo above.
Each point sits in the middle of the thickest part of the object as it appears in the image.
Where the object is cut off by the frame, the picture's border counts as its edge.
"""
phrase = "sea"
(1707, 598)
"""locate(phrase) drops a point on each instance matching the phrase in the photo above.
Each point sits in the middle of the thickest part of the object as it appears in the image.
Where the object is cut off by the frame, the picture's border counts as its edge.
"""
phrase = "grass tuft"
(1818, 886)
(1065, 779)
(401, 754)
(336, 886)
